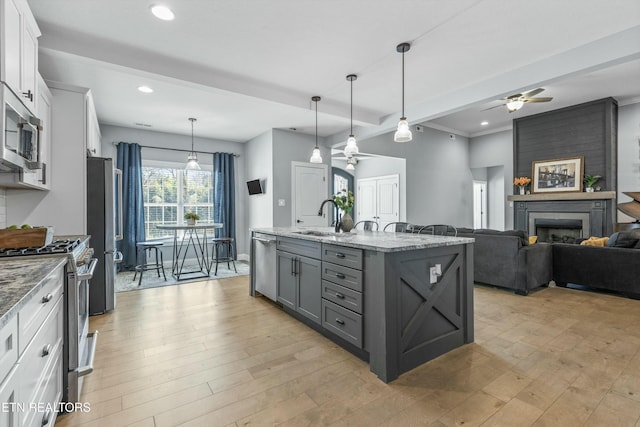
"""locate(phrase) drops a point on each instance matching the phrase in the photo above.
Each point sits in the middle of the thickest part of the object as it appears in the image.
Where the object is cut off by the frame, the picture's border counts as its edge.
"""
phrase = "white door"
(379, 199)
(388, 200)
(309, 189)
(366, 200)
(479, 204)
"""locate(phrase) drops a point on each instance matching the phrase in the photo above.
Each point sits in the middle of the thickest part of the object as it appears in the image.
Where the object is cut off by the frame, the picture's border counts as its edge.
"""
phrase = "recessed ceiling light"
(145, 89)
(485, 123)
(162, 12)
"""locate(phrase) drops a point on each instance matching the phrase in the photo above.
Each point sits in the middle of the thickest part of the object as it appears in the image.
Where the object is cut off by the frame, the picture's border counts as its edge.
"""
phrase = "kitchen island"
(396, 300)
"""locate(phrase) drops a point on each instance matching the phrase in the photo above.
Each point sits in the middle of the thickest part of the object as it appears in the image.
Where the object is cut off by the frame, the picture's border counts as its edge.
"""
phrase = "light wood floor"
(207, 354)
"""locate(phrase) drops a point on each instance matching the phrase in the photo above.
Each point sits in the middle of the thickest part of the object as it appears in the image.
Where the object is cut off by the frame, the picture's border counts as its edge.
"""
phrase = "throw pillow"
(625, 240)
(613, 239)
(533, 239)
(595, 241)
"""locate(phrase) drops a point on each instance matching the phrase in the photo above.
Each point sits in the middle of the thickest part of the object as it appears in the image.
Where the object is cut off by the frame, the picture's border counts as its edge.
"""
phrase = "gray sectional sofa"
(615, 267)
(505, 259)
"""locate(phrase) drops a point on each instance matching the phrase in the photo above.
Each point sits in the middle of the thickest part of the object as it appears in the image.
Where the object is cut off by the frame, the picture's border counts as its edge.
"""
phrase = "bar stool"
(146, 249)
(225, 243)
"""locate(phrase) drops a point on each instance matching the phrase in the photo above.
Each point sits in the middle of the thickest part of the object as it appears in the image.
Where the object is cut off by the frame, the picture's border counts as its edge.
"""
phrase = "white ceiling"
(242, 68)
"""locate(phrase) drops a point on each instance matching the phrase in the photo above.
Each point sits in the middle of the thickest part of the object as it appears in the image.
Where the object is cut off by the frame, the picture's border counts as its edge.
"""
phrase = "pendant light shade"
(315, 156)
(352, 146)
(351, 163)
(403, 134)
(192, 159)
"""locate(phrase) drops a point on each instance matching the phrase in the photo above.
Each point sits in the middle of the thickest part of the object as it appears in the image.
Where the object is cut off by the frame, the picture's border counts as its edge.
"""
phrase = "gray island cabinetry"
(298, 274)
(396, 300)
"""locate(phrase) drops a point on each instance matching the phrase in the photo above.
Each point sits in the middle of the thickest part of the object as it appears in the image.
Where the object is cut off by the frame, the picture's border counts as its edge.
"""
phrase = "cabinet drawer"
(344, 276)
(10, 415)
(342, 296)
(349, 257)
(50, 394)
(38, 307)
(342, 322)
(300, 247)
(40, 353)
(8, 346)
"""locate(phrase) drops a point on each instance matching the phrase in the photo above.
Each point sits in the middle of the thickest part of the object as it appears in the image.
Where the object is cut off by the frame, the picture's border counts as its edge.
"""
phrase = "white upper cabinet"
(19, 50)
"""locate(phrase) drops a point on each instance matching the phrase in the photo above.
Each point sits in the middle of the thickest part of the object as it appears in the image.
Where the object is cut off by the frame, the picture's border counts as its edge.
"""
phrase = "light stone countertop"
(371, 240)
(20, 277)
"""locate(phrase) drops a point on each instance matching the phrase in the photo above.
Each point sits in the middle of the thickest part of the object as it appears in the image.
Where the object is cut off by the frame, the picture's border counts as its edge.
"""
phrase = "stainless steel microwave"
(20, 134)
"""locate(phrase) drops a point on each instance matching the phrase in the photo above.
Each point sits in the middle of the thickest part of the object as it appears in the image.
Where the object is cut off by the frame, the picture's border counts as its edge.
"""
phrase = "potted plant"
(589, 181)
(191, 218)
(344, 201)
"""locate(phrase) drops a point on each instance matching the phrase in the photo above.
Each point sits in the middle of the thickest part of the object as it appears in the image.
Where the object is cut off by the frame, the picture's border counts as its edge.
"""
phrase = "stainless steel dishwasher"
(265, 264)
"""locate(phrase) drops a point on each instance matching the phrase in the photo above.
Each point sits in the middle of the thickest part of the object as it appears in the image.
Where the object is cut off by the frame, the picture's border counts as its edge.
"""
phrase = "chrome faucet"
(337, 223)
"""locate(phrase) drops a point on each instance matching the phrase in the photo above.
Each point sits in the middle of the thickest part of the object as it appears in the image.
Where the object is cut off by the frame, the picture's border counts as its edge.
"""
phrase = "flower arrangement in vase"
(522, 182)
(191, 218)
(344, 201)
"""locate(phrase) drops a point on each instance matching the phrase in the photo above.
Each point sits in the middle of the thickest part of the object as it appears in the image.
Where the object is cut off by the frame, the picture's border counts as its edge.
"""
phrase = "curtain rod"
(176, 149)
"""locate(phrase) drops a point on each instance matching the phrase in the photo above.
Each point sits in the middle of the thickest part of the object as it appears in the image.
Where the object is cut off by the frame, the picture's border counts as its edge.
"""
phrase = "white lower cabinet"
(31, 357)
(9, 389)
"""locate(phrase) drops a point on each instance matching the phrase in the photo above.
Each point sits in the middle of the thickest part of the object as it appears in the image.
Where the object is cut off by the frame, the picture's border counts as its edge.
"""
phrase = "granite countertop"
(21, 276)
(372, 240)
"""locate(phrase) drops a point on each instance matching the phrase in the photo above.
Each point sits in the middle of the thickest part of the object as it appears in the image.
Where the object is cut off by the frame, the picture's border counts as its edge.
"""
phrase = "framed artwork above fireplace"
(558, 175)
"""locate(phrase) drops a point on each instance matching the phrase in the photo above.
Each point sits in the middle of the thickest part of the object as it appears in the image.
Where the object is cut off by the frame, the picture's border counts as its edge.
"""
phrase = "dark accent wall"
(588, 130)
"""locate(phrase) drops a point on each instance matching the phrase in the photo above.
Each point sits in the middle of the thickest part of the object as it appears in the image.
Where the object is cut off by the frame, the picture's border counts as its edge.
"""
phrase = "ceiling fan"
(516, 101)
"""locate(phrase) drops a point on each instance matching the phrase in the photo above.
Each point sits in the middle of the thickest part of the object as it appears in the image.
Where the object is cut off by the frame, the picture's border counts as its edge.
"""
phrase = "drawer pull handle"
(47, 298)
(339, 295)
(340, 276)
(340, 321)
(46, 350)
(339, 255)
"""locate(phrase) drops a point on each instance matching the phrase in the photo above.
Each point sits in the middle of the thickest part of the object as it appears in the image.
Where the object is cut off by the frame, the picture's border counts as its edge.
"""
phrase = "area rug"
(150, 279)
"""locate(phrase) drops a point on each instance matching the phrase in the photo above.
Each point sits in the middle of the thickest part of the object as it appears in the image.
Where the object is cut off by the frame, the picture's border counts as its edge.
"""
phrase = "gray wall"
(439, 186)
(628, 154)
(259, 165)
(111, 134)
(495, 150)
(495, 197)
(290, 147)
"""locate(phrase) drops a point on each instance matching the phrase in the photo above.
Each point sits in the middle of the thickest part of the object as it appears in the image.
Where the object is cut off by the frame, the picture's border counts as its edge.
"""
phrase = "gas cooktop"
(62, 246)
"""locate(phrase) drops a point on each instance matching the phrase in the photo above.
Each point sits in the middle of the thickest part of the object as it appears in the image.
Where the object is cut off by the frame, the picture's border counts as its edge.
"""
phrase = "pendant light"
(316, 157)
(352, 147)
(192, 159)
(351, 163)
(403, 134)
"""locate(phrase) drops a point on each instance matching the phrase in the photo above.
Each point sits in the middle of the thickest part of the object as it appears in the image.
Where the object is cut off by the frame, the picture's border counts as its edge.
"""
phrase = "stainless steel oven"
(81, 343)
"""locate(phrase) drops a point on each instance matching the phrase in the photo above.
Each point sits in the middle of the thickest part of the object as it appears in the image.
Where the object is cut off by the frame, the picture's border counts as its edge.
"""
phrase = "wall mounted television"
(255, 187)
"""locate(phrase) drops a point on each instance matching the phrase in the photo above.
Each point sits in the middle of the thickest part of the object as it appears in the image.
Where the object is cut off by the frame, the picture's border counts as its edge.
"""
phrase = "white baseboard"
(243, 257)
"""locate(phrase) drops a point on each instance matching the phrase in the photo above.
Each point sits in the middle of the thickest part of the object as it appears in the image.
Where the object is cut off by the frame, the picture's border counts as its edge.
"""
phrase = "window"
(170, 192)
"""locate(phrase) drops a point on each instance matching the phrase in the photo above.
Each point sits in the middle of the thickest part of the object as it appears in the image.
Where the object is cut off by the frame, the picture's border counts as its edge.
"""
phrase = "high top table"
(190, 238)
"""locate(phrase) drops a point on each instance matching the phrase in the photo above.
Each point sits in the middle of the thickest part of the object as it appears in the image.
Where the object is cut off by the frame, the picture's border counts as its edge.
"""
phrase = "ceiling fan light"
(352, 147)
(350, 167)
(514, 105)
(403, 134)
(315, 156)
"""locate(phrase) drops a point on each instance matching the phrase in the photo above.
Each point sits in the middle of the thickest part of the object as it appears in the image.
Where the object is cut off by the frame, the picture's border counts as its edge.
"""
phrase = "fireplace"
(565, 216)
(562, 227)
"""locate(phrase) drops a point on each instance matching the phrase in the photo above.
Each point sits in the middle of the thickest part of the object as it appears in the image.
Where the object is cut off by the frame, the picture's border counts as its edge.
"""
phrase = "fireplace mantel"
(545, 197)
(598, 206)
